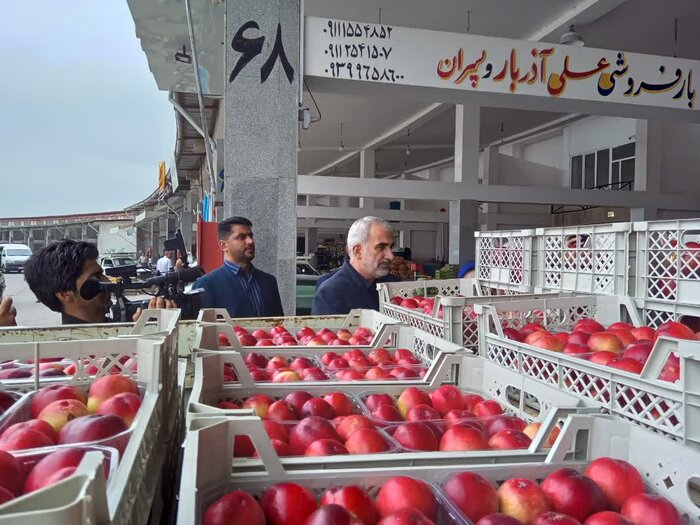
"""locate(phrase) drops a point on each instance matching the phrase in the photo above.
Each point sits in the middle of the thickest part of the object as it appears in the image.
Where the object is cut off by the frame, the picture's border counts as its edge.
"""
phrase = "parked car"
(13, 257)
(116, 265)
(307, 276)
(2, 284)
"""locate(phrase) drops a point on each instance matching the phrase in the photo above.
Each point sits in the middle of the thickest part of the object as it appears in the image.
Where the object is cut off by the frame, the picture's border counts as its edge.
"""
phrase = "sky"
(82, 123)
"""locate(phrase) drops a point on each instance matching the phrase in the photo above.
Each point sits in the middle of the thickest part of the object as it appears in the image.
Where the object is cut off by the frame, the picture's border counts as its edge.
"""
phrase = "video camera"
(169, 286)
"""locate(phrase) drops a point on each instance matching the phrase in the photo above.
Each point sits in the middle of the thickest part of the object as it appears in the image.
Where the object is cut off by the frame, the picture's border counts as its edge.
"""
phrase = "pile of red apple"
(377, 365)
(61, 414)
(449, 420)
(279, 369)
(58, 367)
(301, 424)
(18, 478)
(401, 500)
(611, 492)
(280, 336)
(417, 302)
(620, 346)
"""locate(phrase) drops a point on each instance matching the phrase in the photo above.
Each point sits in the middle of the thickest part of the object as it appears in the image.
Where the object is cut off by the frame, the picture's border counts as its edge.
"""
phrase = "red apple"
(628, 365)
(276, 430)
(447, 398)
(674, 329)
(329, 337)
(423, 413)
(402, 373)
(472, 494)
(549, 342)
(605, 342)
(285, 376)
(24, 439)
(34, 424)
(298, 398)
(15, 373)
(529, 328)
(497, 423)
(589, 326)
(471, 400)
(623, 335)
(125, 405)
(276, 363)
(300, 363)
(579, 338)
(639, 351)
(411, 397)
(522, 499)
(670, 373)
(454, 417)
(555, 518)
(533, 429)
(650, 509)
(259, 375)
(349, 375)
(513, 334)
(247, 340)
(402, 353)
(235, 507)
(386, 413)
(259, 403)
(282, 410)
(509, 439)
(243, 447)
(313, 374)
(355, 500)
(536, 335)
(59, 413)
(325, 447)
(49, 394)
(607, 517)
(91, 428)
(462, 437)
(488, 408)
(498, 519)
(108, 386)
(332, 515)
(617, 479)
(11, 473)
(351, 424)
(643, 333)
(401, 492)
(317, 407)
(261, 334)
(338, 363)
(287, 504)
(316, 341)
(407, 516)
(416, 436)
(380, 355)
(40, 475)
(603, 357)
(366, 441)
(341, 403)
(562, 336)
(377, 374)
(374, 400)
(574, 349)
(572, 493)
(309, 430)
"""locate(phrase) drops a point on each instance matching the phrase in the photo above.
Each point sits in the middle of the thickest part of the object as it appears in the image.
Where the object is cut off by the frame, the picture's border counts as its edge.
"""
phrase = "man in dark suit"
(370, 242)
(238, 286)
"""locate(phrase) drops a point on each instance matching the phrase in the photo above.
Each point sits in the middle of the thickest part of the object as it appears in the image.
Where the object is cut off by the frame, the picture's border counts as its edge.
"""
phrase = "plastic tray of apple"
(618, 469)
(24, 472)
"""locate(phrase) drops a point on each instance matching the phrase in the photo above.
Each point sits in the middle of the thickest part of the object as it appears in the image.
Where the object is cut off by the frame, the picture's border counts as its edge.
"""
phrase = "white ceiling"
(645, 26)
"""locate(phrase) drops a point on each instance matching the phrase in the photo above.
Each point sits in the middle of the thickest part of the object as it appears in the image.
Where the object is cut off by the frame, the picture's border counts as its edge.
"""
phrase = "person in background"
(369, 245)
(165, 263)
(238, 286)
(57, 272)
(143, 260)
(8, 313)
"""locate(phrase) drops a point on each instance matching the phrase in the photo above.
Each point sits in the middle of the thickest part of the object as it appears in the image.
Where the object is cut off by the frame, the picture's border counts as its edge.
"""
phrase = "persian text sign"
(418, 57)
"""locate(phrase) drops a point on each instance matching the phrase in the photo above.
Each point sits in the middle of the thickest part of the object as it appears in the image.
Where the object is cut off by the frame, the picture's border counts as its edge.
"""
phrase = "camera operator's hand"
(179, 264)
(8, 313)
(154, 303)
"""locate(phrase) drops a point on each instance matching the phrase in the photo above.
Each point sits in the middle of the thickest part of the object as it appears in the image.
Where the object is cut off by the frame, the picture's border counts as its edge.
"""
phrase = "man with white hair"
(369, 246)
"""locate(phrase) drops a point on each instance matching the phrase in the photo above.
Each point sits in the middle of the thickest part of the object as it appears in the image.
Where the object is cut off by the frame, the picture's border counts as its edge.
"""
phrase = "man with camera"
(238, 286)
(56, 274)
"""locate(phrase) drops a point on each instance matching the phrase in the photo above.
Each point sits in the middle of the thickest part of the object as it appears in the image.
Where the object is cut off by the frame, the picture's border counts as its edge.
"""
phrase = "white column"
(647, 165)
(310, 240)
(367, 164)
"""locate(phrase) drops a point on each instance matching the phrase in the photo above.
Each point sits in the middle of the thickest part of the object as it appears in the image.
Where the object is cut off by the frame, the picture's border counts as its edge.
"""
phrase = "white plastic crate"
(591, 259)
(672, 409)
(453, 316)
(655, 313)
(668, 261)
(668, 468)
(506, 259)
(131, 490)
(426, 347)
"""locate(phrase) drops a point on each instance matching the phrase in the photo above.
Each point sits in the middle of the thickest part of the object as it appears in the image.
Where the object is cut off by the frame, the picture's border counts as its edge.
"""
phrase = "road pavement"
(30, 312)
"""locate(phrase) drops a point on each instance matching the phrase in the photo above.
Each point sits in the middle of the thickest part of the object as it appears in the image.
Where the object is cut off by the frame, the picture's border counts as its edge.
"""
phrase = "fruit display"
(62, 414)
(306, 336)
(418, 303)
(607, 492)
(620, 346)
(399, 500)
(403, 269)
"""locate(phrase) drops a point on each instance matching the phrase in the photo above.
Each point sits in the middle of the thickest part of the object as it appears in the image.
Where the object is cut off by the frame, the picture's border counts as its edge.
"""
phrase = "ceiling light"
(571, 38)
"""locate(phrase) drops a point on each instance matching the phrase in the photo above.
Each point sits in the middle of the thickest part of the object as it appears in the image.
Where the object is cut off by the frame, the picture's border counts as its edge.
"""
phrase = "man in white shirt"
(165, 263)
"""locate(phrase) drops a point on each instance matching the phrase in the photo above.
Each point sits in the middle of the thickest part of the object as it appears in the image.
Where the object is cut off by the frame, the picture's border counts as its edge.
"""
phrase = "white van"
(13, 257)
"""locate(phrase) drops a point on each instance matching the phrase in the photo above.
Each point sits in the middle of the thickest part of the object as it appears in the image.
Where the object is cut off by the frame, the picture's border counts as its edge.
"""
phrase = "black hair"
(55, 268)
(224, 228)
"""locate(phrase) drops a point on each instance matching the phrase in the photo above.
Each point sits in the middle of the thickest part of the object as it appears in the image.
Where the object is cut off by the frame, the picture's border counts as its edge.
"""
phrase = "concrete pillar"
(261, 104)
(648, 165)
(464, 221)
(367, 165)
(310, 240)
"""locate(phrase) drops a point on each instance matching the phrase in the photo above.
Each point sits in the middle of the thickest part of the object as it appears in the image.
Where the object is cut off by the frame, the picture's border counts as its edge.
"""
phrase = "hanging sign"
(418, 57)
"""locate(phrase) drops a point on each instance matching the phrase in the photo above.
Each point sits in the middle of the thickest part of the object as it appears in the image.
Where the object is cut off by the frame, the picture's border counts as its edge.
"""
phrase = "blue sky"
(82, 123)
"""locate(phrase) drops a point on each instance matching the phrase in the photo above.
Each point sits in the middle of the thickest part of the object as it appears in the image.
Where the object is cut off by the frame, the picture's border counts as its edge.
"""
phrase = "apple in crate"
(351, 424)
(298, 398)
(341, 403)
(49, 394)
(422, 413)
(555, 518)
(332, 515)
(15, 373)
(33, 424)
(509, 439)
(366, 441)
(318, 407)
(355, 499)
(53, 467)
(259, 403)
(282, 411)
(675, 330)
(447, 398)
(411, 397)
(503, 422)
(522, 499)
(650, 509)
(533, 429)
(25, 438)
(462, 437)
(472, 494)
(416, 436)
(125, 405)
(498, 519)
(605, 342)
(378, 374)
(91, 428)
(643, 333)
(456, 416)
(387, 413)
(276, 363)
(285, 376)
(373, 401)
(107, 386)
(488, 408)
(255, 359)
(59, 413)
(602, 357)
(574, 494)
(617, 479)
(235, 507)
(325, 447)
(402, 492)
(309, 430)
(589, 326)
(313, 374)
(607, 517)
(287, 504)
(11, 473)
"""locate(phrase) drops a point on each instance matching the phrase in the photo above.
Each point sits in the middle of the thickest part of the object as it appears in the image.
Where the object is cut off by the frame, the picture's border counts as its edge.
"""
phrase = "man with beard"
(370, 243)
(238, 286)
(56, 274)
